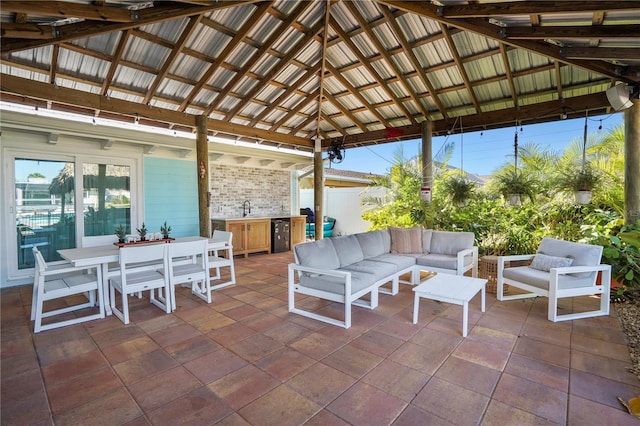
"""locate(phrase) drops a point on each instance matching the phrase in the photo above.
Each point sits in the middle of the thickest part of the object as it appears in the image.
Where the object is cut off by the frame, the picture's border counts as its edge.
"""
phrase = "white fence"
(344, 204)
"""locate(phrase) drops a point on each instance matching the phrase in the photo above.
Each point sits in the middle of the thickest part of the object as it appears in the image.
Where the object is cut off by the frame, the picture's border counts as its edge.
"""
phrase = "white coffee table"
(457, 289)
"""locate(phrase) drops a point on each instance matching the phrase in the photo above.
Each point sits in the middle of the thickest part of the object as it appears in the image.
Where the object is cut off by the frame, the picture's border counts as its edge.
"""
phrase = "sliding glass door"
(45, 214)
(50, 194)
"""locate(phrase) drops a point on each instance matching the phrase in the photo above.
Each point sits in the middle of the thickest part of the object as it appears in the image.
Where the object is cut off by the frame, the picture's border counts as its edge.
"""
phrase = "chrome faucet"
(244, 208)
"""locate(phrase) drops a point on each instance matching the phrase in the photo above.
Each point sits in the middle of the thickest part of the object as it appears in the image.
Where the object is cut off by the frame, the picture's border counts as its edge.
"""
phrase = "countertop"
(250, 217)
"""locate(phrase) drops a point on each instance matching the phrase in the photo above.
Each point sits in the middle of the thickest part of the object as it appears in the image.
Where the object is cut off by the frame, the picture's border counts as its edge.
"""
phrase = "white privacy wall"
(345, 204)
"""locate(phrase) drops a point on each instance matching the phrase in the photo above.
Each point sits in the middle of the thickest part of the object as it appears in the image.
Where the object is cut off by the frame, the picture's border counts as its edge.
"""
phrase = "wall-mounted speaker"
(619, 97)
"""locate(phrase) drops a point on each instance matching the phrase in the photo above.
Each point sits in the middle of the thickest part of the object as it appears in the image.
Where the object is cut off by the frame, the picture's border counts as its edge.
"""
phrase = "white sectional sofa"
(344, 269)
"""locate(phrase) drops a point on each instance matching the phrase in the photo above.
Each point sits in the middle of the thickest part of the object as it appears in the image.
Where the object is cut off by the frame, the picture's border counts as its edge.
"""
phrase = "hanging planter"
(514, 185)
(514, 199)
(459, 189)
(581, 184)
(583, 197)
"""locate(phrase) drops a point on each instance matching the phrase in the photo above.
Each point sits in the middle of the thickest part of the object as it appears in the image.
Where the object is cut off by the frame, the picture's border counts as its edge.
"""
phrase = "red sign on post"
(425, 193)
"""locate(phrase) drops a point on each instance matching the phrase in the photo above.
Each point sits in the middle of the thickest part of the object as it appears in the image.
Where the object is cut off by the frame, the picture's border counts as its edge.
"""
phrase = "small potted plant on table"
(121, 233)
(165, 229)
(142, 232)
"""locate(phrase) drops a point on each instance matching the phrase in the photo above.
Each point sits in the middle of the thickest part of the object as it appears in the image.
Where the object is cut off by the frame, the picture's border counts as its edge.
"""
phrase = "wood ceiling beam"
(509, 74)
(231, 45)
(177, 48)
(593, 53)
(596, 103)
(356, 93)
(310, 73)
(372, 71)
(294, 111)
(387, 57)
(65, 10)
(461, 70)
(491, 10)
(282, 27)
(27, 31)
(117, 58)
(298, 47)
(345, 112)
(408, 49)
(485, 28)
(63, 95)
(573, 32)
(157, 13)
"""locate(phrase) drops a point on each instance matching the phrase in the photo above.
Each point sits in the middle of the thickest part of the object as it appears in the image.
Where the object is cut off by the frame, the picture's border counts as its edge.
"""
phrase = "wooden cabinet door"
(298, 230)
(258, 235)
(238, 239)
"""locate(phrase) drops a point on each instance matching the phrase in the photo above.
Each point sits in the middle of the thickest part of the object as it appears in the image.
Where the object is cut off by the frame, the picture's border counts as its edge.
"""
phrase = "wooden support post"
(202, 160)
(318, 189)
(632, 163)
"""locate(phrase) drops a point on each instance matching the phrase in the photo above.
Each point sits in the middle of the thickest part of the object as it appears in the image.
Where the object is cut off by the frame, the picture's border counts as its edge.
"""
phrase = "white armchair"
(560, 269)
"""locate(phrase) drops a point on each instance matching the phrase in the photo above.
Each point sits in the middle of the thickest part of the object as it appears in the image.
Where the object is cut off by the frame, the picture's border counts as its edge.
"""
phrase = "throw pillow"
(406, 240)
(543, 262)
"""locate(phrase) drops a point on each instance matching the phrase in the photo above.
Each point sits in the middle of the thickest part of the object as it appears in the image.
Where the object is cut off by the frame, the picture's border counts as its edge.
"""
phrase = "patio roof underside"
(263, 71)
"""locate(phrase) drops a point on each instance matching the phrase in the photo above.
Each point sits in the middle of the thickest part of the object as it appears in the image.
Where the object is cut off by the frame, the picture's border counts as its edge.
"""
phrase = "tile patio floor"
(245, 360)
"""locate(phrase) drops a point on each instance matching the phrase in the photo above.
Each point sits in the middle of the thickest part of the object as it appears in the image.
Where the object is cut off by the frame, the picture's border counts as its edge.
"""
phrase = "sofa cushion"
(540, 279)
(447, 242)
(543, 262)
(402, 262)
(379, 269)
(348, 249)
(444, 261)
(426, 240)
(371, 243)
(359, 281)
(317, 254)
(386, 240)
(406, 240)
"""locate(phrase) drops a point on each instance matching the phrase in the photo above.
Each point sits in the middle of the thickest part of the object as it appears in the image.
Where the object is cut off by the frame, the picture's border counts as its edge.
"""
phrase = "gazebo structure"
(303, 76)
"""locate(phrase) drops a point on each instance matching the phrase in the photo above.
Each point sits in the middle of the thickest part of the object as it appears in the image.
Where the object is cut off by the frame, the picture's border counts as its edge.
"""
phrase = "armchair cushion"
(541, 279)
(406, 240)
(582, 254)
(544, 262)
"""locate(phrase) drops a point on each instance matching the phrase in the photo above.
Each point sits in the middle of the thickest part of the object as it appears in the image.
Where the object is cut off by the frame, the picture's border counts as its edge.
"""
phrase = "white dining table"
(87, 257)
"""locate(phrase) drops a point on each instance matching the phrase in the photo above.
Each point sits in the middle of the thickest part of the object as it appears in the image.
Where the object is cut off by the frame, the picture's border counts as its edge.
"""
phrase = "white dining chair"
(187, 264)
(139, 271)
(221, 256)
(58, 280)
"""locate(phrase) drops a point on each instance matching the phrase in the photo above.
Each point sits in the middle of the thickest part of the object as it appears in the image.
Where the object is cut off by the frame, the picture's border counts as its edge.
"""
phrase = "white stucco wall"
(345, 204)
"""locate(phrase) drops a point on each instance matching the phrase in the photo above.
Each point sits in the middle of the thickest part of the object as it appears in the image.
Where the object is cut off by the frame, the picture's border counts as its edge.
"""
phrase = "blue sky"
(480, 153)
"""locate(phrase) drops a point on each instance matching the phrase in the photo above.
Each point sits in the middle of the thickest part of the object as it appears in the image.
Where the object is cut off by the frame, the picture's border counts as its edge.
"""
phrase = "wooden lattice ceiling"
(255, 68)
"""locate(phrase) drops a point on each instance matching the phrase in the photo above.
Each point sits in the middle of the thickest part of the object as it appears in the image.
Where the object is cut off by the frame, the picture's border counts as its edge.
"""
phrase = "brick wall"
(269, 191)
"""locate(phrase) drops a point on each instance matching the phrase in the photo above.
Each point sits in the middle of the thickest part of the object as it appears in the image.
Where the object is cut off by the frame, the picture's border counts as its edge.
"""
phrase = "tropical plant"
(142, 232)
(164, 229)
(622, 252)
(121, 232)
(459, 188)
(512, 181)
(585, 180)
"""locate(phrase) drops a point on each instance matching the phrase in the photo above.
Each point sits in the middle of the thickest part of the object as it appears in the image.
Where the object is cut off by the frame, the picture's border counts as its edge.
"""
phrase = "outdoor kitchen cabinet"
(249, 235)
(298, 230)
